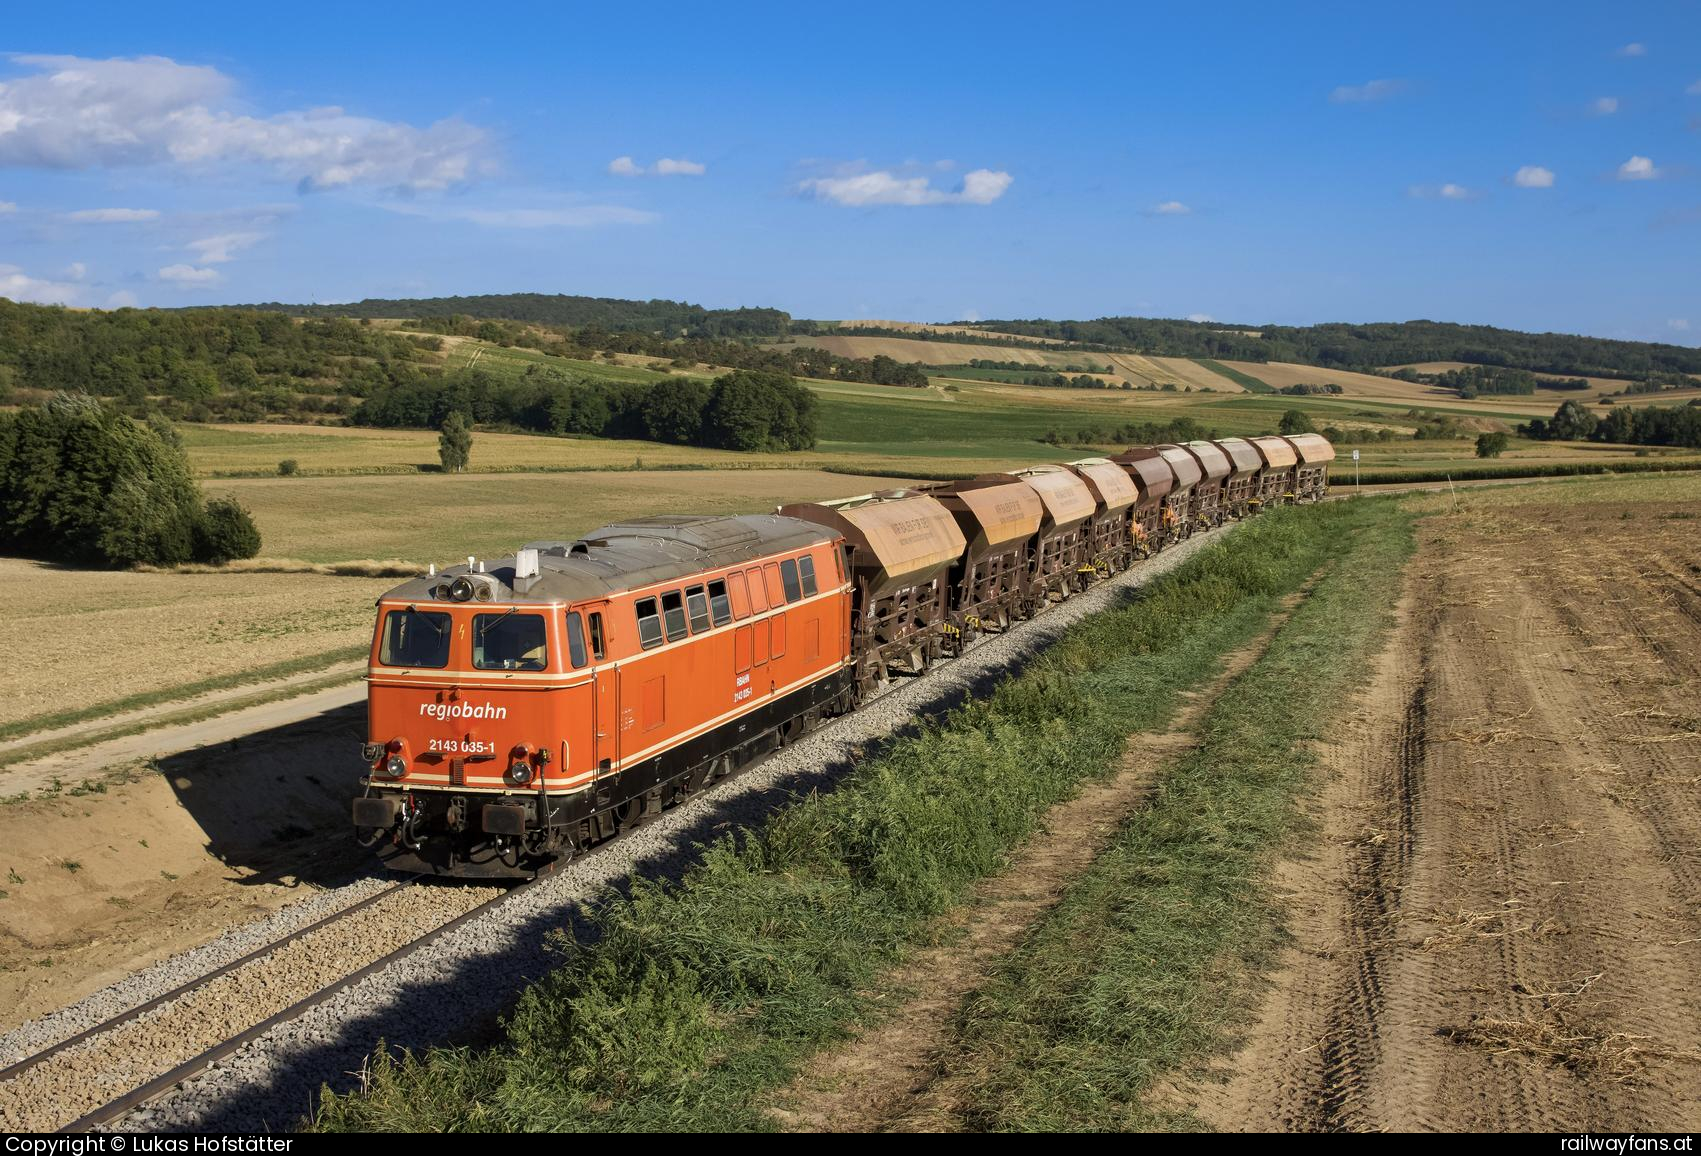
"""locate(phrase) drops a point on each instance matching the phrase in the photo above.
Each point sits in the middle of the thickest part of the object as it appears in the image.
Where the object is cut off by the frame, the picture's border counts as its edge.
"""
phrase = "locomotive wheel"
(630, 813)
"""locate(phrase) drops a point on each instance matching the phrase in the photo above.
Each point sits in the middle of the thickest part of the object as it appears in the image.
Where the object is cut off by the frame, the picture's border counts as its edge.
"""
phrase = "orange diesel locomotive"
(538, 705)
(521, 710)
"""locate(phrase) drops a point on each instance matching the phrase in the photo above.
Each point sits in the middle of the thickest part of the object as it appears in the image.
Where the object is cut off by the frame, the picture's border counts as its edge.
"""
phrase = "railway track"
(71, 1085)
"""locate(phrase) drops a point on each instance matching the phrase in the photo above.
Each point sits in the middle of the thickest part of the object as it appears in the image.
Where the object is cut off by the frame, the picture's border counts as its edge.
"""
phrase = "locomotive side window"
(596, 636)
(673, 614)
(718, 603)
(758, 591)
(740, 591)
(776, 591)
(788, 578)
(509, 641)
(697, 603)
(649, 624)
(806, 571)
(575, 640)
(415, 638)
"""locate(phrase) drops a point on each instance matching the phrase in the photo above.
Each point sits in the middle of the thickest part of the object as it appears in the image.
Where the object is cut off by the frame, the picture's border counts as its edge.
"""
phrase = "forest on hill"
(1333, 345)
(669, 318)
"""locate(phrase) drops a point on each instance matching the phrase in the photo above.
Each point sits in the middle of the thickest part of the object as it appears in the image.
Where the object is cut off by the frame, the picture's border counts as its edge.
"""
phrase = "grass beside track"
(693, 1002)
(1145, 965)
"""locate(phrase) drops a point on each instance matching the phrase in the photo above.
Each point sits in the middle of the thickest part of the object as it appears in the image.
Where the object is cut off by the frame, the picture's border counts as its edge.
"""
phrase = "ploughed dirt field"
(1499, 926)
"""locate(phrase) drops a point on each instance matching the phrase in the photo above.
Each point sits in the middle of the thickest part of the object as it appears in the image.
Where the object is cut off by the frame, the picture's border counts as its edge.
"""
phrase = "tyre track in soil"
(1501, 925)
(901, 1073)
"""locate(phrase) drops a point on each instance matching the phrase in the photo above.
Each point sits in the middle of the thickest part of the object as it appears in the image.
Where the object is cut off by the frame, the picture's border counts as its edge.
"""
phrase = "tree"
(224, 532)
(1296, 421)
(454, 443)
(673, 411)
(1492, 445)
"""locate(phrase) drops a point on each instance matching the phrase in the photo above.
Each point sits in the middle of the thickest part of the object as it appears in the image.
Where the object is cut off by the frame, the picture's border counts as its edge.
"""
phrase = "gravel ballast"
(452, 988)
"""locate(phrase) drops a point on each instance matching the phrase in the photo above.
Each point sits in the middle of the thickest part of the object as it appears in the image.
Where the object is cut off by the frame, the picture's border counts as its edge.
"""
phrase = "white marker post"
(1355, 473)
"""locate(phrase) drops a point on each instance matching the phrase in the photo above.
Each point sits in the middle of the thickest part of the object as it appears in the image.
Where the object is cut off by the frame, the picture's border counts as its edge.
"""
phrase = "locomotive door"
(606, 695)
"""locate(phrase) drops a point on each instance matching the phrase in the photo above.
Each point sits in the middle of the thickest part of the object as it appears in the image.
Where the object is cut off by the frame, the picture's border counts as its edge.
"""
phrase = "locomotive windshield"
(415, 638)
(509, 641)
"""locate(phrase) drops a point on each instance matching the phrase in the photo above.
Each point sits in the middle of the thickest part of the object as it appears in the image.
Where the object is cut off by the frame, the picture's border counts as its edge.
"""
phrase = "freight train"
(524, 708)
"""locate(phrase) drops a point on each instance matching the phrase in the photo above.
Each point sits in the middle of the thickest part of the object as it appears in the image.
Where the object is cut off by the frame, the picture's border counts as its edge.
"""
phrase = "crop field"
(153, 635)
(512, 362)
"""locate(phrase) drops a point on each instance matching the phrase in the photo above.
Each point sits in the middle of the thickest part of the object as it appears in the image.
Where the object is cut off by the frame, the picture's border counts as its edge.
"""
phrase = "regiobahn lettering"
(600, 669)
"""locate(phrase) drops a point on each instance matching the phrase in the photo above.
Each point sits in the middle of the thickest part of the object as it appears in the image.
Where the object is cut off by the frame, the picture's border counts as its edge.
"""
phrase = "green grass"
(1245, 380)
(1152, 959)
(691, 1003)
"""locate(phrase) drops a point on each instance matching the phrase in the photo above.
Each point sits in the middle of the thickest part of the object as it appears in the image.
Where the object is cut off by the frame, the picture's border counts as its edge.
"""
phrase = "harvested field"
(146, 634)
(1501, 924)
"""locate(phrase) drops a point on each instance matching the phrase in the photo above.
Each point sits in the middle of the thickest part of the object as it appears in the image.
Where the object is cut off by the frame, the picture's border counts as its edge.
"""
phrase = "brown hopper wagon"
(1188, 475)
(899, 548)
(1208, 504)
(999, 516)
(1061, 548)
(1240, 488)
(1110, 535)
(1276, 480)
(1315, 454)
(1154, 480)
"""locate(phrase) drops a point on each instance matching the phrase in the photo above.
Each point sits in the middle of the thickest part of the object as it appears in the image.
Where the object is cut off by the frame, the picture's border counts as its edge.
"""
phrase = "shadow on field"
(460, 1004)
(275, 804)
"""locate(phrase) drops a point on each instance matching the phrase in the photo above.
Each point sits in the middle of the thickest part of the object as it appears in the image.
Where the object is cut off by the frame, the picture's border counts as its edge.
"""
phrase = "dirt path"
(1500, 928)
(895, 1076)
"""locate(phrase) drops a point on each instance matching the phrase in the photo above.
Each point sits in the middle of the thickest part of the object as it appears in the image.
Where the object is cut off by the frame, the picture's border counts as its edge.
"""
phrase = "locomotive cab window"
(415, 638)
(788, 578)
(575, 640)
(596, 637)
(509, 641)
(697, 603)
(673, 614)
(806, 574)
(649, 624)
(719, 605)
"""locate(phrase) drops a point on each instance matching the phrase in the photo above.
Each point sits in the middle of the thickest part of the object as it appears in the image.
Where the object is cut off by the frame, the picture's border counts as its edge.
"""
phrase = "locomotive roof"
(634, 553)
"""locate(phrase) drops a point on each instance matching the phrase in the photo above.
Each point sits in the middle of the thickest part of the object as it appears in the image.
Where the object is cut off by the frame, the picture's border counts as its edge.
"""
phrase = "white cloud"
(665, 167)
(1681, 324)
(76, 271)
(1369, 91)
(79, 113)
(1637, 49)
(1171, 209)
(111, 216)
(224, 247)
(1201, 318)
(1605, 106)
(19, 286)
(1533, 177)
(575, 216)
(8, 207)
(123, 299)
(188, 276)
(981, 187)
(1447, 192)
(1638, 169)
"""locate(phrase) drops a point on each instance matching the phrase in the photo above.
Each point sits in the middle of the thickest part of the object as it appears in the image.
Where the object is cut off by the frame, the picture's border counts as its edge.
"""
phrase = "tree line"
(667, 318)
(81, 482)
(1672, 425)
(749, 410)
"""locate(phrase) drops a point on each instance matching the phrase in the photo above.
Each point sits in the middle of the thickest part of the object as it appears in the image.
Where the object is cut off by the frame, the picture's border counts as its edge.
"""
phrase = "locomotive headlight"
(396, 767)
(461, 590)
(520, 773)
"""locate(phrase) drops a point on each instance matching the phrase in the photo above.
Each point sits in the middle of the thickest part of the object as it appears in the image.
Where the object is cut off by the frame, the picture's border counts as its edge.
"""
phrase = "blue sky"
(1529, 165)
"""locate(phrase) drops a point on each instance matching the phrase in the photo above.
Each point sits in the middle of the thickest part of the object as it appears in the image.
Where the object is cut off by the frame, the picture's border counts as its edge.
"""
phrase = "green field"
(1245, 380)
